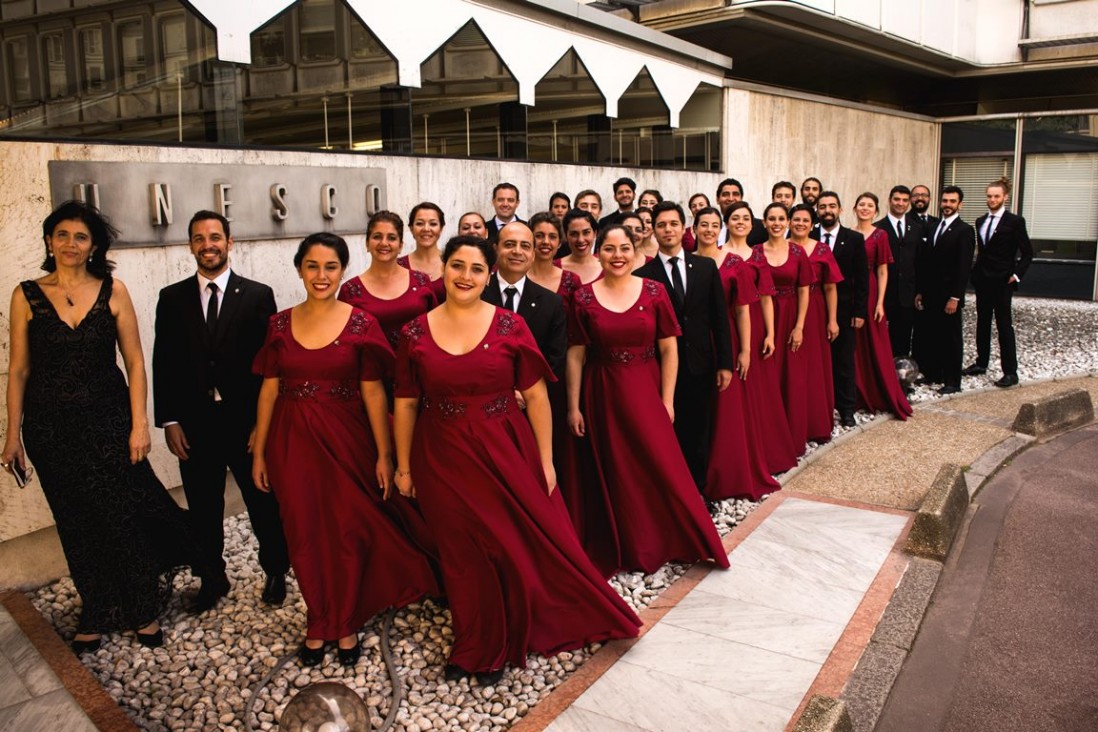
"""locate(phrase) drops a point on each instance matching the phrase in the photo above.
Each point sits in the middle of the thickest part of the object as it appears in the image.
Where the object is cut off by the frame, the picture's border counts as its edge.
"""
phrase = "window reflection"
(131, 44)
(57, 80)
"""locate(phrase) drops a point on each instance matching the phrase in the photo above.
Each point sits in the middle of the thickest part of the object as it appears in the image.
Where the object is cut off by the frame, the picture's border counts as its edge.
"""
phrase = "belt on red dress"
(321, 390)
(623, 356)
(784, 291)
(469, 407)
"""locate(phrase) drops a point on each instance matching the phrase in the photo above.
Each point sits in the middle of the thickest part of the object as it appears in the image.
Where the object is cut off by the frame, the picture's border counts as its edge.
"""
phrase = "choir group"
(504, 420)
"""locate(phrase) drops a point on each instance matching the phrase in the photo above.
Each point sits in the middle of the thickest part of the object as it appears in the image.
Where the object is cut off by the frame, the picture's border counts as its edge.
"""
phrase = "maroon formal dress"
(393, 313)
(821, 385)
(792, 365)
(351, 556)
(737, 461)
(874, 370)
(569, 283)
(515, 574)
(764, 391)
(438, 287)
(656, 514)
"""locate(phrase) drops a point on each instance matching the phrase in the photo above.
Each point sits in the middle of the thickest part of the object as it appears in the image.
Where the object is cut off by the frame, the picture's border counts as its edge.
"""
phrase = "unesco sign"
(151, 203)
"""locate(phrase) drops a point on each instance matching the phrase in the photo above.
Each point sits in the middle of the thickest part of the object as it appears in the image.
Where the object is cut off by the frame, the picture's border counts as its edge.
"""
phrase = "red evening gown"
(821, 385)
(763, 397)
(656, 514)
(393, 313)
(737, 460)
(515, 574)
(572, 455)
(349, 552)
(792, 365)
(874, 370)
(438, 287)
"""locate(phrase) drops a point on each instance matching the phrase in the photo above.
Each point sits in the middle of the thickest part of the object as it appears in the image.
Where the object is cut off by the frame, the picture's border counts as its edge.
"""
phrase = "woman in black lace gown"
(87, 432)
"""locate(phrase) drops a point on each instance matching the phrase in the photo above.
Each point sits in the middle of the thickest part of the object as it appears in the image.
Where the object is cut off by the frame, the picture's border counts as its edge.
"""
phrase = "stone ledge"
(1055, 413)
(939, 515)
(824, 714)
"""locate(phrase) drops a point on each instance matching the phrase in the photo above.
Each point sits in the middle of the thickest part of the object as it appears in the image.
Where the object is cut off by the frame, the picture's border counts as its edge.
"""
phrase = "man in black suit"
(848, 246)
(920, 208)
(941, 274)
(905, 237)
(730, 191)
(1003, 255)
(208, 330)
(505, 201)
(509, 287)
(705, 346)
(811, 189)
(625, 190)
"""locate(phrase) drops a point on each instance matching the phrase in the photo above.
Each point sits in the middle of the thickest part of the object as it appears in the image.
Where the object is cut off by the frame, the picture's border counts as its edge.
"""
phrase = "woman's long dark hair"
(102, 234)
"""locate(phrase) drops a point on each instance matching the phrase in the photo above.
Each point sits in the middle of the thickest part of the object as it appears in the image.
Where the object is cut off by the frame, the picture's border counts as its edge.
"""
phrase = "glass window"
(972, 176)
(318, 37)
(92, 61)
(269, 44)
(363, 43)
(131, 44)
(53, 52)
(173, 47)
(19, 76)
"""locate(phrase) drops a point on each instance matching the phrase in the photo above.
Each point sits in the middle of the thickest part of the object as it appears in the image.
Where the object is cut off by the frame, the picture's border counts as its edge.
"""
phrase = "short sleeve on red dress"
(764, 281)
(883, 251)
(267, 360)
(530, 365)
(829, 267)
(406, 381)
(667, 325)
(577, 316)
(375, 355)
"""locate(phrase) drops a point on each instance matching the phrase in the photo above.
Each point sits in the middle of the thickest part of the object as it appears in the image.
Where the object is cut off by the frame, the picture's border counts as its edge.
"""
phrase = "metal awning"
(530, 37)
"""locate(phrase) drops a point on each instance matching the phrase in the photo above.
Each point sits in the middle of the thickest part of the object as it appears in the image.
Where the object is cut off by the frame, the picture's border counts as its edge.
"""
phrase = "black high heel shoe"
(349, 656)
(86, 646)
(151, 640)
(311, 656)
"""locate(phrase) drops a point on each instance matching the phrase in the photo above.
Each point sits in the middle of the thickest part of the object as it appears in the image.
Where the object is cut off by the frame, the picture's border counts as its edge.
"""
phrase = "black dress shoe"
(1007, 380)
(454, 673)
(151, 640)
(274, 591)
(489, 678)
(86, 646)
(846, 419)
(311, 656)
(949, 390)
(209, 595)
(973, 369)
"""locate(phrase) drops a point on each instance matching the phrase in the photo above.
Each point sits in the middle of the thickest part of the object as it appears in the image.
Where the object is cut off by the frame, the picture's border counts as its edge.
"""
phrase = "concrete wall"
(780, 137)
(456, 185)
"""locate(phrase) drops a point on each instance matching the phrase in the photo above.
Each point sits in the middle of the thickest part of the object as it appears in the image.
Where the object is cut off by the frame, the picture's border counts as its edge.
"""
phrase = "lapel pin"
(533, 304)
(236, 290)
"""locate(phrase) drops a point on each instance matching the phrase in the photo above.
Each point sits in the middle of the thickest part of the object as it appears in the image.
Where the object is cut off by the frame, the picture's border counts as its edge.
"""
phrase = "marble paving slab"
(741, 650)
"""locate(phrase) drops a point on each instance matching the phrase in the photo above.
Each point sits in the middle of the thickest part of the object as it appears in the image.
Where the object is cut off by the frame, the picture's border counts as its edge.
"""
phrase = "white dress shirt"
(681, 264)
(504, 284)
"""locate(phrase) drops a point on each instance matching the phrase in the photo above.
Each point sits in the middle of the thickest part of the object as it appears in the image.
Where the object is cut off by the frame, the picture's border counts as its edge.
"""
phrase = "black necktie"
(827, 238)
(211, 308)
(941, 230)
(509, 300)
(899, 229)
(676, 279)
(988, 230)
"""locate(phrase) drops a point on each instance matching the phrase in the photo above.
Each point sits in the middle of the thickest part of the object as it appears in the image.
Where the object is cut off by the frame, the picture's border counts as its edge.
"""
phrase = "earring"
(49, 254)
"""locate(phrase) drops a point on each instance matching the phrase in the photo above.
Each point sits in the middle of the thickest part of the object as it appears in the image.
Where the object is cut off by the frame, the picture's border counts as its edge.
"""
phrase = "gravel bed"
(201, 678)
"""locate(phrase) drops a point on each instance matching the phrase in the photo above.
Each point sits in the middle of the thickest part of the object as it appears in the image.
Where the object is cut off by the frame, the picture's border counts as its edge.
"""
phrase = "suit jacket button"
(210, 392)
(212, 364)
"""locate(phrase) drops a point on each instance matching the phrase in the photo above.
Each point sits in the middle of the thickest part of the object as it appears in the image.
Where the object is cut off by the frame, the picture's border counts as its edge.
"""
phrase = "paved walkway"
(742, 649)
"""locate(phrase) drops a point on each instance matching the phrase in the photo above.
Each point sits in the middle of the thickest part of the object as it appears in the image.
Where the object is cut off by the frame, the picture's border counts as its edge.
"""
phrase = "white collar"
(665, 257)
(222, 280)
(504, 284)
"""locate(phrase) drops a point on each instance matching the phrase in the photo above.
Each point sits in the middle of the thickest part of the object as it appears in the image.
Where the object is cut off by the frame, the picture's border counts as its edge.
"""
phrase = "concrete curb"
(824, 714)
(1055, 413)
(939, 514)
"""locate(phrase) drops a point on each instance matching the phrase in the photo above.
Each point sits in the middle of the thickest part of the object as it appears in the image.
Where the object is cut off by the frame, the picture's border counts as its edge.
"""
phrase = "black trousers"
(941, 343)
(901, 324)
(695, 395)
(842, 362)
(219, 442)
(995, 299)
